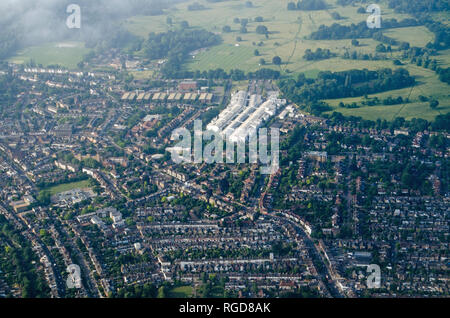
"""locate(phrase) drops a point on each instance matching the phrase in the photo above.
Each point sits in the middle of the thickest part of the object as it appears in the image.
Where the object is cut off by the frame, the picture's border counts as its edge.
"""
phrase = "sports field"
(66, 54)
(68, 186)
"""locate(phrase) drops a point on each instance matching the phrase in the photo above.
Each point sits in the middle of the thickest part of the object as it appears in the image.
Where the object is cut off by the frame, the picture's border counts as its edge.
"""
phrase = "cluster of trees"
(394, 101)
(9, 89)
(262, 29)
(9, 42)
(176, 45)
(148, 290)
(236, 74)
(354, 55)
(336, 16)
(338, 32)
(307, 5)
(196, 7)
(441, 123)
(426, 62)
(330, 85)
(319, 54)
(17, 258)
(347, 2)
(408, 6)
(444, 75)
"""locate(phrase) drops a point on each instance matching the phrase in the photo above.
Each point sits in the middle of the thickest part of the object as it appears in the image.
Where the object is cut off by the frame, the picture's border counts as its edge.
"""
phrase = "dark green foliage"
(329, 85)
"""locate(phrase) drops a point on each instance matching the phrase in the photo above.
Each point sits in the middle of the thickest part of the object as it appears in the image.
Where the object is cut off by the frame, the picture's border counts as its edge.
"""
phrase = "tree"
(262, 61)
(355, 42)
(226, 29)
(381, 48)
(434, 103)
(44, 197)
(261, 29)
(291, 6)
(256, 53)
(162, 292)
(276, 60)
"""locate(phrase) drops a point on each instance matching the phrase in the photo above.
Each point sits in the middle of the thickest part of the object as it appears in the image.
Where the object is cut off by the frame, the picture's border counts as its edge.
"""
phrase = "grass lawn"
(416, 36)
(140, 75)
(68, 186)
(66, 54)
(181, 292)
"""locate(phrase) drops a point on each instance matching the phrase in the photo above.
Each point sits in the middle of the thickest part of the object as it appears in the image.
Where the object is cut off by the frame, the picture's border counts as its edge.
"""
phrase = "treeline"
(422, 6)
(196, 7)
(444, 75)
(349, 2)
(307, 5)
(354, 55)
(319, 54)
(376, 101)
(352, 83)
(338, 32)
(235, 75)
(9, 42)
(18, 262)
(176, 45)
(440, 123)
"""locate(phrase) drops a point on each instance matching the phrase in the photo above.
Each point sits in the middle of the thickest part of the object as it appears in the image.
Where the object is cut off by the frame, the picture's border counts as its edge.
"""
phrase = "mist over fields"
(33, 22)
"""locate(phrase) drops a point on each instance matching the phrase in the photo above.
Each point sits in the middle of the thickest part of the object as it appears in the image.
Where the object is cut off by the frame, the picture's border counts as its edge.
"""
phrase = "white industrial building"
(245, 114)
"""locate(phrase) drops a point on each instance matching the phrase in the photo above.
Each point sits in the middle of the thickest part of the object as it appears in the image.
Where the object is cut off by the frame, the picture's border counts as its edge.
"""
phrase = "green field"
(66, 54)
(68, 186)
(416, 36)
(181, 292)
(287, 39)
(428, 84)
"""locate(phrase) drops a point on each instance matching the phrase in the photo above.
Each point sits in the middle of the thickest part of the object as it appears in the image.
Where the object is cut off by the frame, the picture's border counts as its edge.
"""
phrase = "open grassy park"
(287, 38)
(181, 292)
(67, 54)
(68, 186)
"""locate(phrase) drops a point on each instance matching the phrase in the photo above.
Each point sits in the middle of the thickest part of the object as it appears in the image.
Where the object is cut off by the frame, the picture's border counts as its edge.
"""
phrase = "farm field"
(67, 54)
(68, 186)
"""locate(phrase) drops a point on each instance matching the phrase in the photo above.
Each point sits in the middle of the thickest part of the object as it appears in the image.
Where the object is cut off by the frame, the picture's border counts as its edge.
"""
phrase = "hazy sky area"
(36, 21)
